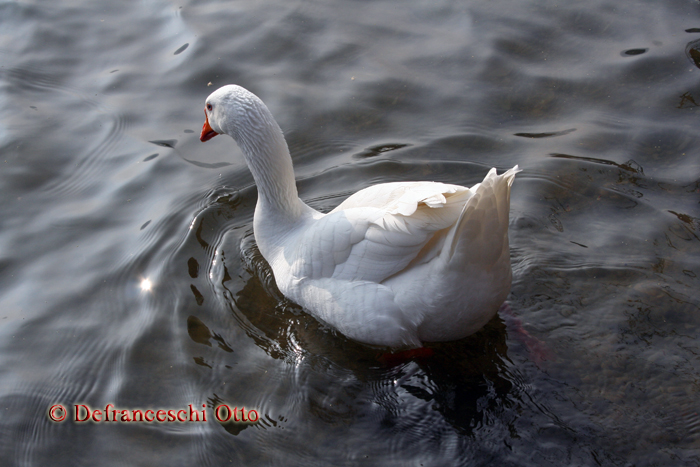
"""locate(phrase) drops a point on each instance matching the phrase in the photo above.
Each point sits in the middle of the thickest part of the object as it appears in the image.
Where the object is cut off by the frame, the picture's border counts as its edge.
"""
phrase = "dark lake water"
(105, 189)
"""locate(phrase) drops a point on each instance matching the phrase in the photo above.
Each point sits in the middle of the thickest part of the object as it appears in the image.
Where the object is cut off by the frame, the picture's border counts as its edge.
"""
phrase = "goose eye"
(209, 107)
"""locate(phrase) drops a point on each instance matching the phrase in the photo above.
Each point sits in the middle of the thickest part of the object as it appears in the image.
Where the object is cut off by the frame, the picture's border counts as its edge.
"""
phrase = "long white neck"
(267, 155)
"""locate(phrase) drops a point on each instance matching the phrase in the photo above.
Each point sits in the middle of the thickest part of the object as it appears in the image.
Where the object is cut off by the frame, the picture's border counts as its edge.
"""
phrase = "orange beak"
(207, 132)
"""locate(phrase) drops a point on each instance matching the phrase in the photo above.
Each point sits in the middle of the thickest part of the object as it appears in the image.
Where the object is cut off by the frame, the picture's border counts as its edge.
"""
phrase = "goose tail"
(480, 236)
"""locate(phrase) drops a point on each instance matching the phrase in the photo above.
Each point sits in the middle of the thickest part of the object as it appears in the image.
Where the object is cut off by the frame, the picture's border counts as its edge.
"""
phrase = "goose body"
(395, 264)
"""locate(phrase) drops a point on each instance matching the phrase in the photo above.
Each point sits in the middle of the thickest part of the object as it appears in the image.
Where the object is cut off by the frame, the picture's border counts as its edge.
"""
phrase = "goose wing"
(378, 231)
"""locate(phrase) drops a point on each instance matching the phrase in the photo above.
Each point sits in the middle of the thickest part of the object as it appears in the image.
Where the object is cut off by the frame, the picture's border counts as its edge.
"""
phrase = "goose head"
(232, 110)
(239, 113)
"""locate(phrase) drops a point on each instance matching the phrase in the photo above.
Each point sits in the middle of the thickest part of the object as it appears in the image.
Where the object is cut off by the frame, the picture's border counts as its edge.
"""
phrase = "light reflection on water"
(130, 275)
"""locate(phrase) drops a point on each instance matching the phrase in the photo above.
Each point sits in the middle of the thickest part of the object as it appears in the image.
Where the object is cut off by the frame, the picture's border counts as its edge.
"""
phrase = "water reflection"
(692, 50)
(146, 285)
(633, 52)
(461, 381)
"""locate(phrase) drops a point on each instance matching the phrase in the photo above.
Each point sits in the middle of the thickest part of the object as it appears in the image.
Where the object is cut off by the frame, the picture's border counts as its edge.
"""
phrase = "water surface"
(104, 184)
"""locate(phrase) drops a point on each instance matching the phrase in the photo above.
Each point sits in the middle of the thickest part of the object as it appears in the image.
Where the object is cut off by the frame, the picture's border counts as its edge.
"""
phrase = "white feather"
(395, 264)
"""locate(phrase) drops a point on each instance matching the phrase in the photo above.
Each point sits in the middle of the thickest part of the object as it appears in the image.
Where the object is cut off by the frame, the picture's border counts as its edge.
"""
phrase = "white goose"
(396, 264)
